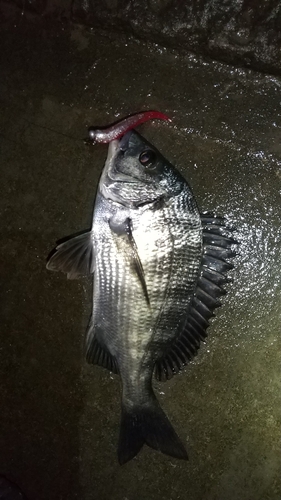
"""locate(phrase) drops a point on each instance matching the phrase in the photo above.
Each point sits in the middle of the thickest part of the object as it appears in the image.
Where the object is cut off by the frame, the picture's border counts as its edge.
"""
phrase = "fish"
(159, 271)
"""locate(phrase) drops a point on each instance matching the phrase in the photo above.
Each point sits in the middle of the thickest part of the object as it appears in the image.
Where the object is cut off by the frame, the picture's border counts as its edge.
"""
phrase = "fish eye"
(147, 158)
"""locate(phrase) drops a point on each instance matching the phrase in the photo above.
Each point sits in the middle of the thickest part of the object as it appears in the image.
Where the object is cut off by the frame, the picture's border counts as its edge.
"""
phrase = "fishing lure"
(115, 131)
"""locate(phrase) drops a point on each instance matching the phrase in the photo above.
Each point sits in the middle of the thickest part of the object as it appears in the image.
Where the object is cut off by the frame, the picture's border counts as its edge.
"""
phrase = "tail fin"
(148, 425)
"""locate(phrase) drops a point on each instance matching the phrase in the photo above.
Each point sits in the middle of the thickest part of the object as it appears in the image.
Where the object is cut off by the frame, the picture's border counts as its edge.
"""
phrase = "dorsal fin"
(217, 250)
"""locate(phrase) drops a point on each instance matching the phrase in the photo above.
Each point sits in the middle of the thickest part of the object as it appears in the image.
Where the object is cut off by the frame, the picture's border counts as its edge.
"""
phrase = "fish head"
(136, 173)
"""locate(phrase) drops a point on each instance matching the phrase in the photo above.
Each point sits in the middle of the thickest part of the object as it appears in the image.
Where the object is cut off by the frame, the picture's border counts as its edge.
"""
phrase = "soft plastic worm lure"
(115, 131)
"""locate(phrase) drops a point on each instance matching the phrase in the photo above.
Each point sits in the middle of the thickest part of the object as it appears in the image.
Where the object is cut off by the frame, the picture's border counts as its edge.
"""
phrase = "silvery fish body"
(159, 268)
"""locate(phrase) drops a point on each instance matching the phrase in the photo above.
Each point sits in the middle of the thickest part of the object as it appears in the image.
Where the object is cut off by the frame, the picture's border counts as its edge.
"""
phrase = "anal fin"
(99, 355)
(96, 352)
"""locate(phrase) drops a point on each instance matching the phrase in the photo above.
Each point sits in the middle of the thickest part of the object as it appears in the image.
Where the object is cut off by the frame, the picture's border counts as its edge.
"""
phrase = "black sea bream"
(159, 268)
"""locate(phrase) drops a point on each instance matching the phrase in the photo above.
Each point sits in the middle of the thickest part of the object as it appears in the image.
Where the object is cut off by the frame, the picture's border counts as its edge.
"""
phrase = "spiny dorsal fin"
(217, 249)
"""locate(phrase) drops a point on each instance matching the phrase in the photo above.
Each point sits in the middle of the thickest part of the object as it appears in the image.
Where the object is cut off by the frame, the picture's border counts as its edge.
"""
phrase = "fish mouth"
(124, 140)
(117, 145)
(109, 175)
(114, 149)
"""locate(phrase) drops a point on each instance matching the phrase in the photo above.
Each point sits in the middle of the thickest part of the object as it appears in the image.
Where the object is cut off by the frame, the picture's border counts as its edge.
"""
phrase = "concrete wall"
(243, 32)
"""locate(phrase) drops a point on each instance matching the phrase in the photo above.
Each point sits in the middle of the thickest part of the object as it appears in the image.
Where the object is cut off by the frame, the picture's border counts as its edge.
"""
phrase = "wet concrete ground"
(59, 418)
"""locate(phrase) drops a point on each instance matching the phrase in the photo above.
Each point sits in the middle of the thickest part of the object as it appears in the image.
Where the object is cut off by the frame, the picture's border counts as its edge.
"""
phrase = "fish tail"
(147, 424)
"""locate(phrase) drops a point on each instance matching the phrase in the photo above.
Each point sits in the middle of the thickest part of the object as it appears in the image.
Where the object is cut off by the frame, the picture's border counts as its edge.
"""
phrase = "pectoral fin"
(124, 228)
(75, 257)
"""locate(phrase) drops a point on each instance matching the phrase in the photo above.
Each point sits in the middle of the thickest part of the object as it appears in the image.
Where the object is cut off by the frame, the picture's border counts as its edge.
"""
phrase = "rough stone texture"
(244, 32)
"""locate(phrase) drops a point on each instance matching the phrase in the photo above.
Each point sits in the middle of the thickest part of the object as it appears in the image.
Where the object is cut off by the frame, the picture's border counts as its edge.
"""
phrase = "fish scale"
(183, 266)
(123, 305)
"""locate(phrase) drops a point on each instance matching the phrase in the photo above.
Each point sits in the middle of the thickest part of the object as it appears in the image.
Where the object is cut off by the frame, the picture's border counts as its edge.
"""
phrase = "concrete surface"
(242, 32)
(59, 418)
